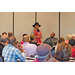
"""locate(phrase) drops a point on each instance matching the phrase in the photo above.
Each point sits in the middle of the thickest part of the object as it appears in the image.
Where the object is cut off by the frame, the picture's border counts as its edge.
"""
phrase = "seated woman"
(72, 43)
(63, 52)
(61, 39)
(22, 40)
(68, 37)
(32, 40)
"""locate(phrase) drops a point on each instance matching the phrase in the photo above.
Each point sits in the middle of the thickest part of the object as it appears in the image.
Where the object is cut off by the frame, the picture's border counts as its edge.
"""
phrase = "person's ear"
(7, 41)
(28, 40)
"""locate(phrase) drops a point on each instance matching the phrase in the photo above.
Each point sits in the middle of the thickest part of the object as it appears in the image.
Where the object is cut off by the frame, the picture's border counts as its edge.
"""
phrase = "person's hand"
(19, 46)
(38, 36)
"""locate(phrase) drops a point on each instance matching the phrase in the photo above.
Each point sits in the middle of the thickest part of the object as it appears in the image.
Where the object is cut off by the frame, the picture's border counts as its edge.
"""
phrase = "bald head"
(26, 38)
(9, 34)
(4, 38)
(52, 35)
(12, 40)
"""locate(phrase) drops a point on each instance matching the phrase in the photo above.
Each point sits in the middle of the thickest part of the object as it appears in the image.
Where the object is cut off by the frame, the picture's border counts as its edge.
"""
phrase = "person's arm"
(45, 41)
(32, 32)
(48, 41)
(21, 55)
(38, 36)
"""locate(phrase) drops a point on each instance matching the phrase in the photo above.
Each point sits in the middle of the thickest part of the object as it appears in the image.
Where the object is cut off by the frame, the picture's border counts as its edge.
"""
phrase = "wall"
(67, 23)
(49, 23)
(23, 22)
(6, 22)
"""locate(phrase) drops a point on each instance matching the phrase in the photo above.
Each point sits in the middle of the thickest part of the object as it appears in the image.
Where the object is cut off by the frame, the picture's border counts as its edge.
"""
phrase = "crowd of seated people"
(50, 50)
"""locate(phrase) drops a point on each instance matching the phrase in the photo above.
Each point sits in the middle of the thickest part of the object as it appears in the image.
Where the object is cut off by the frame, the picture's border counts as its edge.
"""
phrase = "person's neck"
(6, 44)
(51, 37)
(32, 40)
(26, 42)
(36, 29)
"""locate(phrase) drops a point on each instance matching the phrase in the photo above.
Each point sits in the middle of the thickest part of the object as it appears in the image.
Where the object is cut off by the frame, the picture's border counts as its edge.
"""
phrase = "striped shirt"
(11, 54)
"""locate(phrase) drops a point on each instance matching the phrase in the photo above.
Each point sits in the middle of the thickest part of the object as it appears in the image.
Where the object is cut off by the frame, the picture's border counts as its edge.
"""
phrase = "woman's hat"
(36, 23)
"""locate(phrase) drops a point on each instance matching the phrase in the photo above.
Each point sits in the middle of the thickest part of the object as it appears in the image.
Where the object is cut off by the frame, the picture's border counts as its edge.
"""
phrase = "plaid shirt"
(11, 54)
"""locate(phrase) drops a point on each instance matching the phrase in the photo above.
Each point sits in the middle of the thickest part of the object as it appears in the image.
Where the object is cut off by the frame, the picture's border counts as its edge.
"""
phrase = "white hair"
(73, 35)
(69, 36)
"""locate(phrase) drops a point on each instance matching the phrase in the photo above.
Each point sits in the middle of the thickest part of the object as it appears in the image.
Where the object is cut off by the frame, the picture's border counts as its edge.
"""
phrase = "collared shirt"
(11, 54)
(30, 49)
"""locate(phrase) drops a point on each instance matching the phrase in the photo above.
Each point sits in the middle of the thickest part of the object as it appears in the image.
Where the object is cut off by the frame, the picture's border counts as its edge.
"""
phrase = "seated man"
(5, 39)
(10, 34)
(52, 41)
(28, 48)
(11, 53)
(1, 46)
(23, 36)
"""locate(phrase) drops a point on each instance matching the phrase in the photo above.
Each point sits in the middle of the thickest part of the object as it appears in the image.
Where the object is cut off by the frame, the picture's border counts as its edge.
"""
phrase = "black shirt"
(34, 43)
(1, 48)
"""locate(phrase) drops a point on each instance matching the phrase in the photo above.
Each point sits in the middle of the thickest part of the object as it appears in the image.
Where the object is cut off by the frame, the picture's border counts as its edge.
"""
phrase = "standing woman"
(37, 33)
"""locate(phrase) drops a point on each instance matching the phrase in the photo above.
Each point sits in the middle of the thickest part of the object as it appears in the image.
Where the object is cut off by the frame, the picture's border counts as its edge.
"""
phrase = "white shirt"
(30, 49)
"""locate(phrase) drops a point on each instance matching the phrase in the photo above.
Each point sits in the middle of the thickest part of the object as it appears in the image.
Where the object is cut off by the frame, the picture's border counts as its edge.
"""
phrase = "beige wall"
(23, 22)
(6, 22)
(67, 23)
(49, 23)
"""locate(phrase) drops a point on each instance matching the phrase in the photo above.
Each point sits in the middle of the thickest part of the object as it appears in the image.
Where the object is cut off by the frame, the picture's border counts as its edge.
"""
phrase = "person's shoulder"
(55, 38)
(32, 32)
(47, 38)
(16, 50)
(5, 47)
(73, 48)
(33, 45)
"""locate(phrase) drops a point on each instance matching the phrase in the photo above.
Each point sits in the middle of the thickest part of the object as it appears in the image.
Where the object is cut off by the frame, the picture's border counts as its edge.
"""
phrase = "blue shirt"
(11, 54)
